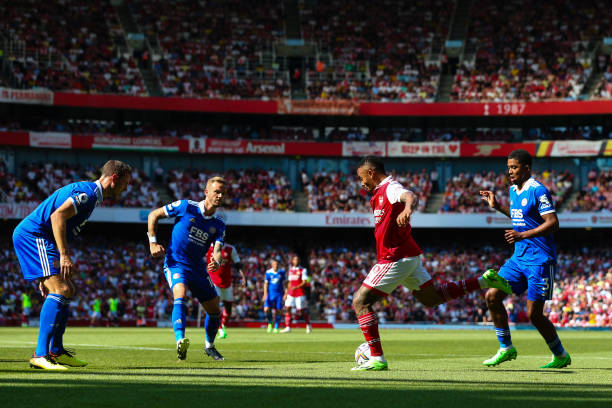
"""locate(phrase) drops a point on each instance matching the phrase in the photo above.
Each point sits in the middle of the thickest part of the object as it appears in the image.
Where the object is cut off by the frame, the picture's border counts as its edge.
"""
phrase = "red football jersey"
(222, 277)
(295, 276)
(392, 241)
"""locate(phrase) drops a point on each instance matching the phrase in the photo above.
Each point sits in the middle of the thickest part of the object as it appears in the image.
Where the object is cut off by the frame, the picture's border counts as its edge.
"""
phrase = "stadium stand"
(214, 52)
(80, 54)
(542, 52)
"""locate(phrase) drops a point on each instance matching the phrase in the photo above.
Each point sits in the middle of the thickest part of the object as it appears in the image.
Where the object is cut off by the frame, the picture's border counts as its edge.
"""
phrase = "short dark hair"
(522, 156)
(117, 167)
(374, 162)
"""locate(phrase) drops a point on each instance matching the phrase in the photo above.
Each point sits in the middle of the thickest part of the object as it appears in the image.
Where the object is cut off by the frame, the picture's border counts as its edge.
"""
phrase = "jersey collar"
(382, 183)
(98, 191)
(526, 185)
(203, 211)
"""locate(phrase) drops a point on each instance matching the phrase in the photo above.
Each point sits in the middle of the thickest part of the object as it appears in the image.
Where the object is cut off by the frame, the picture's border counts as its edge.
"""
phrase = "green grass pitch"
(138, 368)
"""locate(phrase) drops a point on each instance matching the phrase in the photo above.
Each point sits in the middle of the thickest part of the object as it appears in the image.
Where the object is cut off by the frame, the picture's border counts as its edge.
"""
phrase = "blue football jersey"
(192, 234)
(526, 209)
(85, 195)
(276, 281)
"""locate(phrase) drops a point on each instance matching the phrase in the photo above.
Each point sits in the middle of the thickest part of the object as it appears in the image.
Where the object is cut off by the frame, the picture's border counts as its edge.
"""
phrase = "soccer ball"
(362, 354)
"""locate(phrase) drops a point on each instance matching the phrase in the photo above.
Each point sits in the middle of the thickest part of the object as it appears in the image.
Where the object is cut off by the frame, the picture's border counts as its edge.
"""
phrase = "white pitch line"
(22, 344)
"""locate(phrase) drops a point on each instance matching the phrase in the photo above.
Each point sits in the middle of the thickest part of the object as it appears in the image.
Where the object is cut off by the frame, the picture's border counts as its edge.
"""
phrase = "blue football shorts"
(38, 256)
(274, 302)
(199, 284)
(538, 280)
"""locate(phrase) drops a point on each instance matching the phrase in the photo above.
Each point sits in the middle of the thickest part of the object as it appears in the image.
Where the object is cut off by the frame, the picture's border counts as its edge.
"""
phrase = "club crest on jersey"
(192, 219)
(176, 276)
(82, 198)
(380, 200)
(524, 202)
(212, 230)
(545, 202)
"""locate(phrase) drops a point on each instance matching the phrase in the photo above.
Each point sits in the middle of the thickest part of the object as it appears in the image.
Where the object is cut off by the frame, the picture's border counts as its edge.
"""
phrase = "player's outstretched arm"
(156, 248)
(59, 217)
(489, 197)
(549, 226)
(412, 202)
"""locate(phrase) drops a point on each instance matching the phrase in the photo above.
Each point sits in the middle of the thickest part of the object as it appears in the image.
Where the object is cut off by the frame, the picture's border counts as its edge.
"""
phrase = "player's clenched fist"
(157, 250)
(404, 218)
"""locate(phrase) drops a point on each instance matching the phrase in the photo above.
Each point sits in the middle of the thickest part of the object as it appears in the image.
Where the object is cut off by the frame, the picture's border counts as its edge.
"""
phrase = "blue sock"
(277, 320)
(211, 325)
(57, 341)
(49, 316)
(556, 347)
(178, 319)
(503, 335)
(269, 316)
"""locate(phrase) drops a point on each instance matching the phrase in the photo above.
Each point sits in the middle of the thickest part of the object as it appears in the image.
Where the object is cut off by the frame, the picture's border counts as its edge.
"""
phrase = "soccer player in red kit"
(295, 297)
(399, 259)
(222, 279)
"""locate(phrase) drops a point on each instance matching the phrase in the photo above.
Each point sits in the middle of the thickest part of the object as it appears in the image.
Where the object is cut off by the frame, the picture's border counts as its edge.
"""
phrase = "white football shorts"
(298, 302)
(226, 294)
(408, 272)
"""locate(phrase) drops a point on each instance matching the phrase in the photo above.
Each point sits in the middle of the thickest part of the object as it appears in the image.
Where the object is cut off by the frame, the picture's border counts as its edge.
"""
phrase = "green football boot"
(181, 348)
(222, 333)
(372, 365)
(269, 329)
(495, 281)
(67, 358)
(559, 362)
(501, 356)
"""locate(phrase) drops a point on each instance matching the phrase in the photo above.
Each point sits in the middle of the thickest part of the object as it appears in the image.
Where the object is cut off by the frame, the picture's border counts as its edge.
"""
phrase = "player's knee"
(535, 315)
(492, 297)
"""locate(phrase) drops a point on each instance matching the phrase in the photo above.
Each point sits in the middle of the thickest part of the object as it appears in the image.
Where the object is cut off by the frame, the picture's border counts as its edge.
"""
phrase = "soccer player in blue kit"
(274, 289)
(195, 228)
(533, 265)
(41, 244)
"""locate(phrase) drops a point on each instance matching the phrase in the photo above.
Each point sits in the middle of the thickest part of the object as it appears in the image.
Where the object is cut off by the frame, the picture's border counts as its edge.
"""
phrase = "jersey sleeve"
(395, 191)
(220, 234)
(544, 201)
(83, 200)
(305, 276)
(235, 257)
(176, 208)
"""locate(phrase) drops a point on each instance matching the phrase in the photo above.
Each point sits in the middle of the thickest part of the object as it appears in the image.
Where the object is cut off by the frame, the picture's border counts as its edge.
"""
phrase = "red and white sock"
(369, 327)
(449, 290)
(287, 319)
(305, 315)
(224, 317)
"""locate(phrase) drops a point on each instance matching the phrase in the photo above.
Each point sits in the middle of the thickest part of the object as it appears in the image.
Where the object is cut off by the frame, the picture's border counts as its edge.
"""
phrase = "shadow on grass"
(226, 373)
(323, 393)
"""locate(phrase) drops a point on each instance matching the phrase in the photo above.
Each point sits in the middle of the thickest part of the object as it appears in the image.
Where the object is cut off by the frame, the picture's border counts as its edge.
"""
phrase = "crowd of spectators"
(337, 191)
(596, 195)
(213, 49)
(377, 53)
(539, 53)
(39, 180)
(68, 46)
(247, 190)
(462, 190)
(117, 268)
(304, 133)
